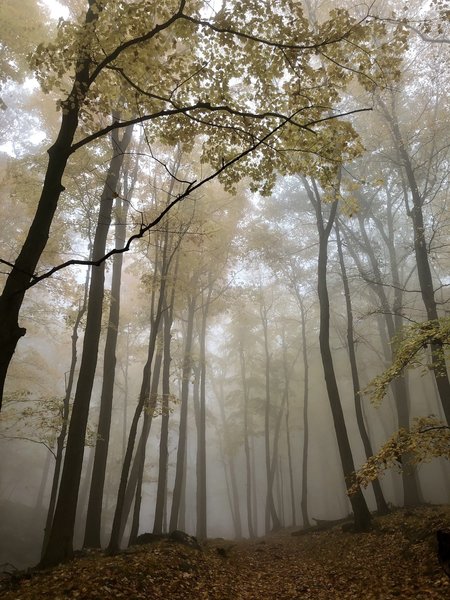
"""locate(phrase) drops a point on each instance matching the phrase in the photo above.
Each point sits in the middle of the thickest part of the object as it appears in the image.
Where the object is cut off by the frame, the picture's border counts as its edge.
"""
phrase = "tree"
(61, 534)
(382, 506)
(360, 511)
(110, 62)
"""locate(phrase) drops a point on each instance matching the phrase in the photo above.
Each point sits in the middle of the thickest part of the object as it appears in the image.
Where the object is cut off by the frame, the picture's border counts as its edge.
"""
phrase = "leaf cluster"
(409, 346)
(428, 438)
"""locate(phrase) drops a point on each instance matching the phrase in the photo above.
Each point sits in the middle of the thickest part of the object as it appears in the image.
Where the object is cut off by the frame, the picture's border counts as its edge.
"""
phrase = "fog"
(216, 373)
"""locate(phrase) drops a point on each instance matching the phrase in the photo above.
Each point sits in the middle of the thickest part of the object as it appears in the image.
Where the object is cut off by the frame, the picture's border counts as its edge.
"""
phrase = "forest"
(225, 307)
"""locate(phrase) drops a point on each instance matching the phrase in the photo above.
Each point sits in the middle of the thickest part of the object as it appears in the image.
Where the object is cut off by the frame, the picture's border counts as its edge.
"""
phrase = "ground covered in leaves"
(397, 559)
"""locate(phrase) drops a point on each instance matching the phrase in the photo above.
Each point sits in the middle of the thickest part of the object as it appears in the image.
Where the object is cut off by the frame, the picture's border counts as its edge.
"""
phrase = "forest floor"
(397, 559)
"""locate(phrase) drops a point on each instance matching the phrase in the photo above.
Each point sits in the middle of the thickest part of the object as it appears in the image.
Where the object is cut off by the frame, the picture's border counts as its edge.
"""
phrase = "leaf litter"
(397, 559)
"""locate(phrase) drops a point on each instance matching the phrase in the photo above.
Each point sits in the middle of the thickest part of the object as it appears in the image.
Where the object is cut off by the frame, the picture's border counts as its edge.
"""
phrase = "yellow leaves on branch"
(409, 346)
(428, 438)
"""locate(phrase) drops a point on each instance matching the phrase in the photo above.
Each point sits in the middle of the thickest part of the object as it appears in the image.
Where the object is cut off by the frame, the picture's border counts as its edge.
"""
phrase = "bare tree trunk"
(201, 426)
(248, 470)
(423, 264)
(288, 435)
(228, 456)
(304, 498)
(148, 419)
(382, 506)
(161, 495)
(65, 415)
(361, 513)
(271, 516)
(182, 438)
(94, 511)
(411, 490)
(60, 543)
(144, 398)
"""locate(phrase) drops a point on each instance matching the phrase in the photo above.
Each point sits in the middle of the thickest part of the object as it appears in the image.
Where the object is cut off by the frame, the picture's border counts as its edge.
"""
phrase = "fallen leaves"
(397, 559)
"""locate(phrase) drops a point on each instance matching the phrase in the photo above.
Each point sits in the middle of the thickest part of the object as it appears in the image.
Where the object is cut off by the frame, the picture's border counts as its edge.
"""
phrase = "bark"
(393, 322)
(422, 260)
(161, 493)
(304, 497)
(144, 397)
(182, 438)
(228, 455)
(382, 506)
(26, 262)
(248, 469)
(361, 513)
(94, 511)
(304, 494)
(201, 429)
(148, 419)
(115, 539)
(60, 543)
(288, 437)
(65, 416)
(271, 517)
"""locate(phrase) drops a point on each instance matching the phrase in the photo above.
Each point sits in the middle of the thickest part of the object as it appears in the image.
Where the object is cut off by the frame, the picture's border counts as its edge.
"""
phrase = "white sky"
(57, 9)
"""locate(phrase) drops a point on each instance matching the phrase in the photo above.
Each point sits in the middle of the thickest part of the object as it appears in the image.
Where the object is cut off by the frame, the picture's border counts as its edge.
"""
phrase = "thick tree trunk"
(60, 543)
(65, 416)
(25, 264)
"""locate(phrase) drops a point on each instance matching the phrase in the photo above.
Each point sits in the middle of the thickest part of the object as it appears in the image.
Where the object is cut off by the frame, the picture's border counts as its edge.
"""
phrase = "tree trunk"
(411, 490)
(382, 506)
(161, 494)
(228, 454)
(148, 418)
(21, 275)
(423, 264)
(288, 435)
(182, 438)
(248, 470)
(65, 416)
(144, 397)
(361, 513)
(201, 429)
(271, 516)
(94, 511)
(60, 543)
(164, 435)
(304, 498)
